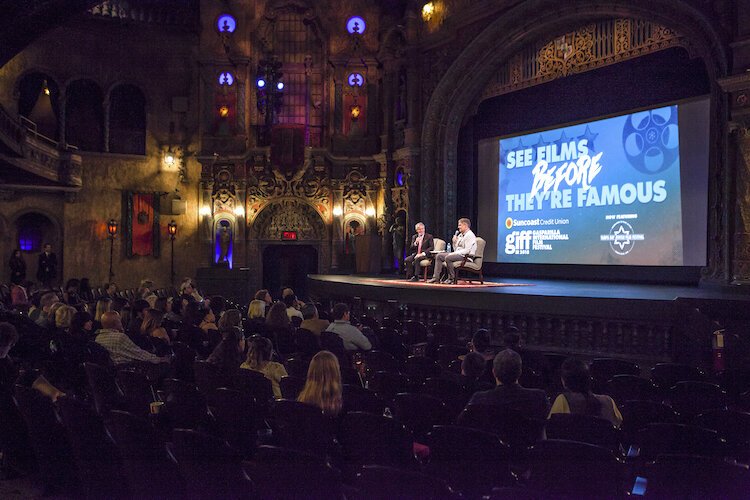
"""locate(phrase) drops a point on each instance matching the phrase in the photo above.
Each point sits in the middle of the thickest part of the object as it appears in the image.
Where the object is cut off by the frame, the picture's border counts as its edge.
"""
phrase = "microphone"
(456, 233)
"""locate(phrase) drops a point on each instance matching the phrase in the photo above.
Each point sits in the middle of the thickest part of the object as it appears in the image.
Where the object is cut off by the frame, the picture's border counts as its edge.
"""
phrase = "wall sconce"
(355, 111)
(239, 211)
(204, 211)
(169, 158)
(338, 211)
(370, 212)
(224, 111)
(112, 228)
(428, 10)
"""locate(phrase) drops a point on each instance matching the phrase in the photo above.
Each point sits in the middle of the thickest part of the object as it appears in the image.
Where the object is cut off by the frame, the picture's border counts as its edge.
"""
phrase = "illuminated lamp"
(112, 227)
(355, 111)
(172, 229)
(224, 111)
(370, 212)
(280, 86)
(356, 25)
(428, 10)
(261, 83)
(338, 211)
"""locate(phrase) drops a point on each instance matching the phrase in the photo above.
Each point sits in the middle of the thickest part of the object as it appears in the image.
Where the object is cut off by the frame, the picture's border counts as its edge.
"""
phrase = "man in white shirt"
(464, 244)
(353, 338)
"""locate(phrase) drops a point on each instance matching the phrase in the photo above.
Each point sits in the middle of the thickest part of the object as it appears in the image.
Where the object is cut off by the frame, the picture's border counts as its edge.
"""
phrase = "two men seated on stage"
(421, 245)
(464, 246)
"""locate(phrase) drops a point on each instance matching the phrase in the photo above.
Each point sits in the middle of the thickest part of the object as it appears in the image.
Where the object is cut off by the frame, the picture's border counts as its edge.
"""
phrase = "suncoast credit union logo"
(622, 237)
(508, 223)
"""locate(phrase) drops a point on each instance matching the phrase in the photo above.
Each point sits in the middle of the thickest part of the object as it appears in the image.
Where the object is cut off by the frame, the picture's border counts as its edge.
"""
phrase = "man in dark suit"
(47, 270)
(421, 244)
(530, 403)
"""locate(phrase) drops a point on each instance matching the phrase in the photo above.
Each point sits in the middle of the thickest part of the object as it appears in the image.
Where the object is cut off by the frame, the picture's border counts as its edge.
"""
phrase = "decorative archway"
(529, 22)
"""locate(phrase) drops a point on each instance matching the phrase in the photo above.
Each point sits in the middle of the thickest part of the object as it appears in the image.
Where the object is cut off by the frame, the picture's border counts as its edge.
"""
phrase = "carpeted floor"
(422, 284)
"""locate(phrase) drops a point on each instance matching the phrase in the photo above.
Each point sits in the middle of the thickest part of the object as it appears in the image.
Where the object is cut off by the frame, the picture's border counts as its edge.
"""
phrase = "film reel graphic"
(650, 139)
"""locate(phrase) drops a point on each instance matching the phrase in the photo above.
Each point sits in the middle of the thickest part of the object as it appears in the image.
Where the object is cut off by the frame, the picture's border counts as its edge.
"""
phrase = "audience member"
(259, 354)
(290, 301)
(151, 326)
(230, 319)
(288, 291)
(577, 397)
(227, 355)
(70, 294)
(256, 317)
(84, 290)
(189, 332)
(82, 326)
(110, 290)
(531, 403)
(121, 349)
(353, 338)
(265, 296)
(42, 318)
(311, 321)
(480, 343)
(63, 317)
(323, 385)
(19, 297)
(188, 288)
(208, 322)
(218, 305)
(102, 305)
(279, 328)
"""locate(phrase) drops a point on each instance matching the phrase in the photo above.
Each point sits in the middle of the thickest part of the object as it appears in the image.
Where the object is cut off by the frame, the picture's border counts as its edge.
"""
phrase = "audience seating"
(512, 428)
(660, 439)
(255, 384)
(238, 418)
(603, 369)
(636, 415)
(666, 375)
(146, 465)
(297, 367)
(445, 333)
(291, 386)
(357, 398)
(690, 398)
(375, 482)
(137, 391)
(629, 387)
(419, 412)
(303, 427)
(579, 470)
(374, 439)
(209, 467)
(208, 377)
(95, 455)
(388, 384)
(282, 473)
(104, 389)
(584, 429)
(470, 460)
(182, 364)
(416, 332)
(691, 476)
(47, 438)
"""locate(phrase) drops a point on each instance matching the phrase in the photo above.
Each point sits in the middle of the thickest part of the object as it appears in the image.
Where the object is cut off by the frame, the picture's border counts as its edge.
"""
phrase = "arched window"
(84, 116)
(127, 120)
(38, 101)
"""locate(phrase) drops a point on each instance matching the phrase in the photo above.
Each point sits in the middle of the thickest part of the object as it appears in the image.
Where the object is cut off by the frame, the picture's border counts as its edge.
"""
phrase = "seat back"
(103, 387)
(238, 418)
(479, 254)
(671, 439)
(291, 386)
(375, 481)
(585, 429)
(374, 439)
(512, 427)
(302, 427)
(419, 412)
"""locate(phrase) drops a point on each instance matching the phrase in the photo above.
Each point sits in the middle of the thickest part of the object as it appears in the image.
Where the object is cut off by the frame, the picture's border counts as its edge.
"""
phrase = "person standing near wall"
(47, 270)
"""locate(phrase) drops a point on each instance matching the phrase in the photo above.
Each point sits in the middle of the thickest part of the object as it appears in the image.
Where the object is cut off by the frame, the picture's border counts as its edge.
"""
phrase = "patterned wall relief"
(310, 184)
(590, 47)
(289, 215)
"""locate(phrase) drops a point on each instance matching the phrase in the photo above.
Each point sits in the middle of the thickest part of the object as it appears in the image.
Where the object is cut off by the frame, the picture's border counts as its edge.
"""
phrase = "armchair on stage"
(475, 265)
(429, 259)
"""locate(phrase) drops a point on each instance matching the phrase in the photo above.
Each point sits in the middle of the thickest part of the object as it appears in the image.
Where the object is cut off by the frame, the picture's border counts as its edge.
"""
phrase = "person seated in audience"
(265, 296)
(145, 290)
(152, 326)
(480, 343)
(288, 291)
(230, 319)
(259, 353)
(102, 305)
(121, 349)
(19, 295)
(208, 322)
(63, 317)
(531, 403)
(279, 329)
(353, 338)
(188, 288)
(577, 397)
(311, 321)
(227, 355)
(218, 305)
(135, 321)
(70, 294)
(172, 310)
(290, 301)
(323, 387)
(82, 326)
(473, 367)
(43, 318)
(52, 314)
(256, 317)
(110, 290)
(84, 290)
(118, 304)
(35, 307)
(531, 359)
(17, 458)
(189, 332)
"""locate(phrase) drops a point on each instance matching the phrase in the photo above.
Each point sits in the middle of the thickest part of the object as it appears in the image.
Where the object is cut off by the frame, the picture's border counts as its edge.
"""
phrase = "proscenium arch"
(312, 215)
(531, 21)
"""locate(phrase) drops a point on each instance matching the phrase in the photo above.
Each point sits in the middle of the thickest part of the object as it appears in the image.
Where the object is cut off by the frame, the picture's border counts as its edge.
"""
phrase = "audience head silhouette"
(507, 367)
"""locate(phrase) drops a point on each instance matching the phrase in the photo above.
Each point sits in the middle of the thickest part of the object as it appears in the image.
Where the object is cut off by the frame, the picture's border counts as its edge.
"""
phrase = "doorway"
(288, 266)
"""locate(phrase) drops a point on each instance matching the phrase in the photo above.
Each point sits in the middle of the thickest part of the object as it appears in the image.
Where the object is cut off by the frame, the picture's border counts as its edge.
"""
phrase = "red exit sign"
(289, 235)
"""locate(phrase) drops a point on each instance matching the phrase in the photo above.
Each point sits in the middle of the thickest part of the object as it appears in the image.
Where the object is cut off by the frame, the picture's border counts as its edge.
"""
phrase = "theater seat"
(475, 265)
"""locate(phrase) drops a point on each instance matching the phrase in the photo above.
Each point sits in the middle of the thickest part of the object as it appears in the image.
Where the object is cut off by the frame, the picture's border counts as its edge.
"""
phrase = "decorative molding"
(590, 47)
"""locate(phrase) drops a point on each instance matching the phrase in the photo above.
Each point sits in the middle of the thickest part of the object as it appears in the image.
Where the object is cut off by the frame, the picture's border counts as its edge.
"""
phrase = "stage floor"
(594, 299)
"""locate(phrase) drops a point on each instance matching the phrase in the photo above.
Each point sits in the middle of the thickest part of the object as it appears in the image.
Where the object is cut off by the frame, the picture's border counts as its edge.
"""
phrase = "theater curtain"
(142, 224)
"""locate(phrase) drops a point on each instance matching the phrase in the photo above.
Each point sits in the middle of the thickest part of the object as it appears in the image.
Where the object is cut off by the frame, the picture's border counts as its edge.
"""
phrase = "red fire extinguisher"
(717, 341)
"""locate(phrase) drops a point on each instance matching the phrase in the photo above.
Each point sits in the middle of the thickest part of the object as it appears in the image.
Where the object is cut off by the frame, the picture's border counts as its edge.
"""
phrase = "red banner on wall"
(143, 224)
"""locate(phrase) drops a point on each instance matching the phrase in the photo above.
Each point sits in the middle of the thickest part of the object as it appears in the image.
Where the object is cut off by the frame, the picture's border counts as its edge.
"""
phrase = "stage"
(650, 323)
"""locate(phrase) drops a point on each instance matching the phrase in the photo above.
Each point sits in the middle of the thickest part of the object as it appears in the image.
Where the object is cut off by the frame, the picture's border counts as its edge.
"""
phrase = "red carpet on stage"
(461, 283)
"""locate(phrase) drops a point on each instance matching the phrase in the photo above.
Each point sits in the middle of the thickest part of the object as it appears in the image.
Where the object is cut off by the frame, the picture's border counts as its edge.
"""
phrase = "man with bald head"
(121, 349)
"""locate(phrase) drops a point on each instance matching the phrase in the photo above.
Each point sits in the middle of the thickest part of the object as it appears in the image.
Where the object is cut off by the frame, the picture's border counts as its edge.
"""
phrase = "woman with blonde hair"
(323, 386)
(102, 305)
(259, 354)
(63, 316)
